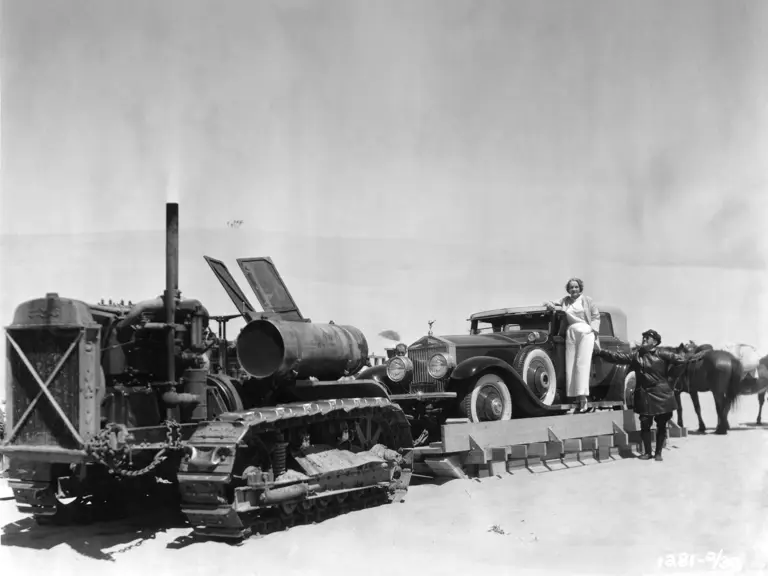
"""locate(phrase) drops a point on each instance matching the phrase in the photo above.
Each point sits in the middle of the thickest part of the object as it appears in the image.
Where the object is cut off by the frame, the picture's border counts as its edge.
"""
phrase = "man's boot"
(661, 435)
(645, 435)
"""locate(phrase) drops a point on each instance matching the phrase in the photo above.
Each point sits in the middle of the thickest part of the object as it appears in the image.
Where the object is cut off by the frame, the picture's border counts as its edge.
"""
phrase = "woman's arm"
(594, 314)
(553, 305)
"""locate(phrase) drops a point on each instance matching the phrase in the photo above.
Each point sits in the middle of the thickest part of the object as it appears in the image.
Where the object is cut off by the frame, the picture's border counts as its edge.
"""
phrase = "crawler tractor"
(252, 435)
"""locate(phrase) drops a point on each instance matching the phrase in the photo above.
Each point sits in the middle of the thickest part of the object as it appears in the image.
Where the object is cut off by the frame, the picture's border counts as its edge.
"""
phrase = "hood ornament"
(430, 322)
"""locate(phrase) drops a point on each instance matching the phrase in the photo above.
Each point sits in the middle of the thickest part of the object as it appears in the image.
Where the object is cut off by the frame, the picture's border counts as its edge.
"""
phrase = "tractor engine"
(134, 359)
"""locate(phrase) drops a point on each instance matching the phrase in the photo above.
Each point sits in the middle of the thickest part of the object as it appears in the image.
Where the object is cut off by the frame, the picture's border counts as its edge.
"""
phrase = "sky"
(400, 161)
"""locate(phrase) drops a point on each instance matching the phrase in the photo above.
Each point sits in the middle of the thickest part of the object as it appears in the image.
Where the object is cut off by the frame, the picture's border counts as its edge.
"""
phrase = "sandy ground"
(709, 496)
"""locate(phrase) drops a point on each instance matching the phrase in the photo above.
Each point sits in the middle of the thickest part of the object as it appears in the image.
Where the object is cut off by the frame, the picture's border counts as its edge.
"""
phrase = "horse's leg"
(722, 417)
(760, 400)
(679, 408)
(697, 407)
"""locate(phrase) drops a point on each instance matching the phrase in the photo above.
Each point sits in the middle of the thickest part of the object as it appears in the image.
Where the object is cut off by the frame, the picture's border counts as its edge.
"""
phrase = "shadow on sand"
(105, 540)
(97, 540)
(740, 427)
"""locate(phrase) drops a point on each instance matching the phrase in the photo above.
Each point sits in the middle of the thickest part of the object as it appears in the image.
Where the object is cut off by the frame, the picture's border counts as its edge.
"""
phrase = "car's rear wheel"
(537, 370)
(487, 400)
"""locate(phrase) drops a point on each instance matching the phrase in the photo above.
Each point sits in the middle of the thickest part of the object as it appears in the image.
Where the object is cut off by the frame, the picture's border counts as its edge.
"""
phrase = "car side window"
(606, 326)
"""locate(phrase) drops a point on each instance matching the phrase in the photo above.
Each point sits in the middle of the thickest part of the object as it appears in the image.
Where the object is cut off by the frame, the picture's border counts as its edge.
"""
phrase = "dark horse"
(707, 370)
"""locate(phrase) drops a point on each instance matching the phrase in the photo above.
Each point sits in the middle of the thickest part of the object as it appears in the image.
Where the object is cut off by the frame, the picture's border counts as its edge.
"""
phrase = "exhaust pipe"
(171, 281)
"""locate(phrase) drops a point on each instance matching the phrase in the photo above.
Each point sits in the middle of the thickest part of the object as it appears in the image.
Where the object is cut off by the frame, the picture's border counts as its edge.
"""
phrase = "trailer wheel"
(630, 381)
(537, 370)
(488, 400)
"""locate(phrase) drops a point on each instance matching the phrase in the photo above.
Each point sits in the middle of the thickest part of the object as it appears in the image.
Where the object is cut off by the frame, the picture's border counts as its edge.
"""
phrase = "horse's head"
(683, 348)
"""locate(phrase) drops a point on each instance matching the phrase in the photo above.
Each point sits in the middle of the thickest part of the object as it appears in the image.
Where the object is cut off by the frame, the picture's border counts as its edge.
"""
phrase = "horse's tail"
(734, 386)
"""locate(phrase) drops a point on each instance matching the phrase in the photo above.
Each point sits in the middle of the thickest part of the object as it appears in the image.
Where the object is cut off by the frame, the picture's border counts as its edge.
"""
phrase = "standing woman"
(583, 320)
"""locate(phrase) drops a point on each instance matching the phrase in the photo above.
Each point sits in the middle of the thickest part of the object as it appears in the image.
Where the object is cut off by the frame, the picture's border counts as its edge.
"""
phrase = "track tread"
(214, 516)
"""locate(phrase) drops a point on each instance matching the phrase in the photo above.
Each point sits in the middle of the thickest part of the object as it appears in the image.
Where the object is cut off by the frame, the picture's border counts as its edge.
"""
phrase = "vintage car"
(510, 365)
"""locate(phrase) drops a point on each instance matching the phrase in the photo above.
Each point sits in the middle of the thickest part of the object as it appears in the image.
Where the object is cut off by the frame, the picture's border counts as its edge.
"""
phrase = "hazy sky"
(495, 148)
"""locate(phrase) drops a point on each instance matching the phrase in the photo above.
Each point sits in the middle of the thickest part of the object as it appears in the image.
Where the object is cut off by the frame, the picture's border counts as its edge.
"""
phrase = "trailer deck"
(534, 445)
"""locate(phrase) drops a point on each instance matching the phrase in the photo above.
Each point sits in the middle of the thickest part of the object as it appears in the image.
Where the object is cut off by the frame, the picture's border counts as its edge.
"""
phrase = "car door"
(601, 370)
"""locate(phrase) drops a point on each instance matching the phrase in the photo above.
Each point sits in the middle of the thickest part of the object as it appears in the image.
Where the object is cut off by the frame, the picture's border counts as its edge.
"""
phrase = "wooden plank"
(605, 453)
(674, 431)
(606, 440)
(631, 421)
(529, 430)
(571, 459)
(449, 467)
(427, 451)
(536, 453)
(450, 421)
(587, 457)
(498, 468)
(537, 466)
(500, 453)
(518, 466)
(518, 459)
(554, 451)
(589, 443)
(572, 445)
(518, 451)
(619, 436)
(476, 457)
(555, 464)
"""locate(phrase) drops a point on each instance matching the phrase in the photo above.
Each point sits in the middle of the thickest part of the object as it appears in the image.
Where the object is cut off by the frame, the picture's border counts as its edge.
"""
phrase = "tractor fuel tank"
(300, 350)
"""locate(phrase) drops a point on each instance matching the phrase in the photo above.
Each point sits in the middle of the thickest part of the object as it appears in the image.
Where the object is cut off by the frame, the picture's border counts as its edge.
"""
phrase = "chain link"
(116, 459)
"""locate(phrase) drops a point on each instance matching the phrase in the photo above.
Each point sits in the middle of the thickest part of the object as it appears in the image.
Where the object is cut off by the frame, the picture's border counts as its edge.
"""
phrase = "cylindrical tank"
(277, 348)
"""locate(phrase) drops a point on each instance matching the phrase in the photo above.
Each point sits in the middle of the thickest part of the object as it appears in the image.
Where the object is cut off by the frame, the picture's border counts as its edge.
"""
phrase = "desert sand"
(708, 497)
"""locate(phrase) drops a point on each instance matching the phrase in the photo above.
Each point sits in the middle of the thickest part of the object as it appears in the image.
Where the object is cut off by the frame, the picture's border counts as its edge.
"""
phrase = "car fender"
(379, 375)
(525, 402)
(477, 364)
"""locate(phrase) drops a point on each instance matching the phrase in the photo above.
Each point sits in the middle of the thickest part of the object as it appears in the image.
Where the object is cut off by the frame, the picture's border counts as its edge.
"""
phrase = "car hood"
(516, 338)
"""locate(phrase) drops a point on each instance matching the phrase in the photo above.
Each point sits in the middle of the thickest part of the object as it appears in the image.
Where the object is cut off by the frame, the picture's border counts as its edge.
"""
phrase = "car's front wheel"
(487, 400)
(537, 370)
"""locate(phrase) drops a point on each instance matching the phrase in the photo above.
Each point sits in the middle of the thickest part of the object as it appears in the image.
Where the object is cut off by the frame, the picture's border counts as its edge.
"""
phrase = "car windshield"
(513, 323)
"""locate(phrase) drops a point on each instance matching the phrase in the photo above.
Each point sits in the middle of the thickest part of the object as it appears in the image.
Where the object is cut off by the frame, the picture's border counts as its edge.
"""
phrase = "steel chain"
(99, 447)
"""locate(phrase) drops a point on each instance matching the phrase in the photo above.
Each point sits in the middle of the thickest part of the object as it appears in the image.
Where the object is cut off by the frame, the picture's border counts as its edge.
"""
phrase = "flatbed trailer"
(534, 445)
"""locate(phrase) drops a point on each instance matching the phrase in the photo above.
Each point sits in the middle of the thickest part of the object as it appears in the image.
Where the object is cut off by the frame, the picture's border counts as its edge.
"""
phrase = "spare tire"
(536, 369)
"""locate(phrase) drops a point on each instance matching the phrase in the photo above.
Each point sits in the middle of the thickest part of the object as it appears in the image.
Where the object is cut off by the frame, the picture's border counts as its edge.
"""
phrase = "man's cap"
(653, 334)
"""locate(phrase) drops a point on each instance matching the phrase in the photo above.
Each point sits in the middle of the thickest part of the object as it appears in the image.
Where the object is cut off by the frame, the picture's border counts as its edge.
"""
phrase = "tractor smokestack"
(171, 280)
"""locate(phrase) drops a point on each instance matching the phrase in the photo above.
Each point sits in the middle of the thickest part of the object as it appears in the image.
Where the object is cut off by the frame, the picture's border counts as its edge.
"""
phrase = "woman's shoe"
(658, 457)
(645, 457)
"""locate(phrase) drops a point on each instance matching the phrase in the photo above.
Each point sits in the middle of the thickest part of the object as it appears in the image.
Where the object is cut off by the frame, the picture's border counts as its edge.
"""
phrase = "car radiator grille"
(422, 381)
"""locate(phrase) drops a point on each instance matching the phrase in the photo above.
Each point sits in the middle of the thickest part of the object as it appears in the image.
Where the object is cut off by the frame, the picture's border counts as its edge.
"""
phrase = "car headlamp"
(398, 368)
(440, 365)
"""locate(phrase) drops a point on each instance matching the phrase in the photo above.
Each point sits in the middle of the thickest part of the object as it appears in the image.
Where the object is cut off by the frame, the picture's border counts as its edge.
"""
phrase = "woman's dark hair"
(578, 281)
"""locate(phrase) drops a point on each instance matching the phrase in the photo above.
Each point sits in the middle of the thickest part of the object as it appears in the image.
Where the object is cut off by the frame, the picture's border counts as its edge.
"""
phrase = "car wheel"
(537, 370)
(488, 400)
(630, 381)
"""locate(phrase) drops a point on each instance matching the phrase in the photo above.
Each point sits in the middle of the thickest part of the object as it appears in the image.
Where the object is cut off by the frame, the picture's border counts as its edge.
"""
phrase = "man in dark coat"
(654, 397)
